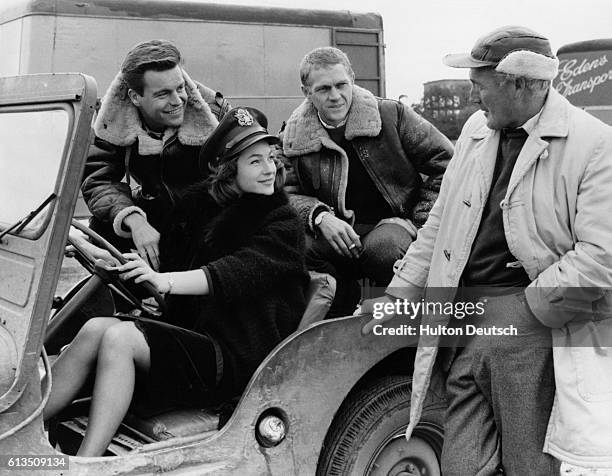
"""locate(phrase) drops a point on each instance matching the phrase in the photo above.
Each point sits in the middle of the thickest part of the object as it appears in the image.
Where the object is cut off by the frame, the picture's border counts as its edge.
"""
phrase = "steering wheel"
(128, 289)
(64, 324)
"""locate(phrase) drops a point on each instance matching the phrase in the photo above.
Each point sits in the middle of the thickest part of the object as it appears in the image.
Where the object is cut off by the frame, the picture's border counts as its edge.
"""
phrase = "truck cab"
(249, 53)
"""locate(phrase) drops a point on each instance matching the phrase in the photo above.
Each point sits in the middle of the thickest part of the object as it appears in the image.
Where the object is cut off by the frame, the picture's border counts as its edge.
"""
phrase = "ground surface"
(72, 272)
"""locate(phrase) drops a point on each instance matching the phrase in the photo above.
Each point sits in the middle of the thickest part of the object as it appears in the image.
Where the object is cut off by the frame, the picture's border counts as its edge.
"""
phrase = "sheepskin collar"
(119, 123)
(305, 134)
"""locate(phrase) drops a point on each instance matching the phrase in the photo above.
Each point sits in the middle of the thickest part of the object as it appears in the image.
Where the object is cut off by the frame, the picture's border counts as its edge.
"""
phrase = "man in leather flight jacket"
(153, 120)
(356, 168)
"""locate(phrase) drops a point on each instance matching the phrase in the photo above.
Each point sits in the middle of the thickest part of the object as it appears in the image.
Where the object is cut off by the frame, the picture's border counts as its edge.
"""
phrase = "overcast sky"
(419, 33)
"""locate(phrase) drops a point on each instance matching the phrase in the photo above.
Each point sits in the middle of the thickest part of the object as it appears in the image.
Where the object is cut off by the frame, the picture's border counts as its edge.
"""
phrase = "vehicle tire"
(367, 434)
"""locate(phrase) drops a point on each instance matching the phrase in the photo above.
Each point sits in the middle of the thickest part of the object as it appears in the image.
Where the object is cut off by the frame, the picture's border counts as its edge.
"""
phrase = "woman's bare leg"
(123, 350)
(73, 366)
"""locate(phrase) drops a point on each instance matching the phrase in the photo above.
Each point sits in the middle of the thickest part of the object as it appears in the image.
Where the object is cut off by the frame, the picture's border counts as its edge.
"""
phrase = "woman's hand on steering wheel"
(140, 271)
(97, 257)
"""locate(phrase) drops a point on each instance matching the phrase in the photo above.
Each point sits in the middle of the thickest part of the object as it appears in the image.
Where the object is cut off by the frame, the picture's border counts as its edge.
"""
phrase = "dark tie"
(510, 145)
(512, 141)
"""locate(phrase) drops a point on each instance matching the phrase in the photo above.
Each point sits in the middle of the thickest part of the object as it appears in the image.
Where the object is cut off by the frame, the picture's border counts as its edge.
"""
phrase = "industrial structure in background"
(446, 104)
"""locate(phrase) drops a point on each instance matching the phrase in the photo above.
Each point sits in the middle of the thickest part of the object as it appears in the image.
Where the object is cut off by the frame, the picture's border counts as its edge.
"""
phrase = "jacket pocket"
(591, 356)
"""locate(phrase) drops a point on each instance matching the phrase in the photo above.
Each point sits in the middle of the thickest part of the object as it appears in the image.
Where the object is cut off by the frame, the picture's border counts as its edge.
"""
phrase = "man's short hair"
(155, 55)
(323, 57)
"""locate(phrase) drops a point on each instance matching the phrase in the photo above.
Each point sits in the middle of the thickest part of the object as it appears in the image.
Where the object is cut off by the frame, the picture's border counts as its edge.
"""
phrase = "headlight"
(271, 430)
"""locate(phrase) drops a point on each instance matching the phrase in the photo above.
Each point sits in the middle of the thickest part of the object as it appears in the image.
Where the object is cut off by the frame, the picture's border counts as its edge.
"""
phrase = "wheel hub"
(398, 457)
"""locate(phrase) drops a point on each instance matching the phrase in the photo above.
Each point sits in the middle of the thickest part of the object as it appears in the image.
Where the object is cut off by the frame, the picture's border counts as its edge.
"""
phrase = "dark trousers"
(500, 392)
(382, 245)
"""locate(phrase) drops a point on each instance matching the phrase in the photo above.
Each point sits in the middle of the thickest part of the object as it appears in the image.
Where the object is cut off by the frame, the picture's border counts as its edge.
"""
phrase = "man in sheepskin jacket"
(355, 173)
(153, 120)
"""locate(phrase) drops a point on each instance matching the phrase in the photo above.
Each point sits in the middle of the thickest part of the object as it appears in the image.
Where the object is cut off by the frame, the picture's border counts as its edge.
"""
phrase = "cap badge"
(244, 118)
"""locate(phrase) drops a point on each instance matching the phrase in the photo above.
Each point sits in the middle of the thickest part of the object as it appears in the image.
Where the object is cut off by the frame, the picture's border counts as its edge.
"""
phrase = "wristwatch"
(319, 218)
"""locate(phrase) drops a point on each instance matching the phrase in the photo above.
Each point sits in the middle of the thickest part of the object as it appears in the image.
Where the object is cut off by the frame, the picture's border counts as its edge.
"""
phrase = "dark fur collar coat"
(252, 252)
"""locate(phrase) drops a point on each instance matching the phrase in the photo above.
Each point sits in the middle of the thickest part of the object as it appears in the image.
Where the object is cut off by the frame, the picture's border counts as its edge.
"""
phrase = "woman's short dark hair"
(221, 182)
(155, 55)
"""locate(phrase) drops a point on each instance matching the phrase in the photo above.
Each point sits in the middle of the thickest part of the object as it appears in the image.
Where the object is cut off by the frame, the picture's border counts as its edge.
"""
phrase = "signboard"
(585, 76)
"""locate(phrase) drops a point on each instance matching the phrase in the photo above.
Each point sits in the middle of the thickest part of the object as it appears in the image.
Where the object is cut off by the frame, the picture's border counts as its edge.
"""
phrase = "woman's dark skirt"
(187, 369)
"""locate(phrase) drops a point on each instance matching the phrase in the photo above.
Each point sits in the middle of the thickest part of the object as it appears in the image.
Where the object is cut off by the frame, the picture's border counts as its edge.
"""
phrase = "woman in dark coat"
(234, 276)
